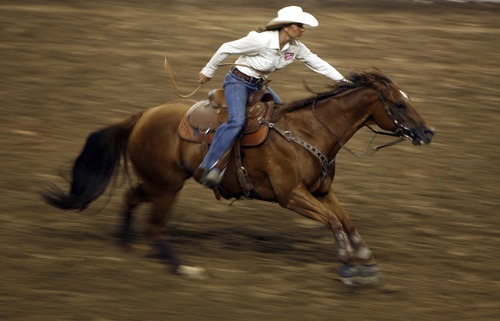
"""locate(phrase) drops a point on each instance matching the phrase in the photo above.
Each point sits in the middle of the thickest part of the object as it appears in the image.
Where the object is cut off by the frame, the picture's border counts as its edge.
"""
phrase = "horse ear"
(353, 76)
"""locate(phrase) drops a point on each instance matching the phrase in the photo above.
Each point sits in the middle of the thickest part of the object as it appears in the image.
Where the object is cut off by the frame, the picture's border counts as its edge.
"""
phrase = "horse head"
(395, 111)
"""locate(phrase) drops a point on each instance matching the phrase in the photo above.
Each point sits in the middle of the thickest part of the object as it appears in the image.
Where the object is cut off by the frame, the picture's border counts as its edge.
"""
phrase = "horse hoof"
(192, 272)
(353, 275)
(369, 270)
(348, 274)
(369, 274)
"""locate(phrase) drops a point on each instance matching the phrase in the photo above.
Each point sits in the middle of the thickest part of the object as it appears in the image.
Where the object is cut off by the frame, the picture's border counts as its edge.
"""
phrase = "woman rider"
(261, 52)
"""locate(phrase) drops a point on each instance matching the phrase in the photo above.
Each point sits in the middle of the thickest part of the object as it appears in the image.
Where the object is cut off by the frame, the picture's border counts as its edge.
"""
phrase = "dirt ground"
(430, 214)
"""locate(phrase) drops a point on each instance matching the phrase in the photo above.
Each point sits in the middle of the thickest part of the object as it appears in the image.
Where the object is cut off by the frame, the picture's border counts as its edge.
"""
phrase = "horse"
(294, 166)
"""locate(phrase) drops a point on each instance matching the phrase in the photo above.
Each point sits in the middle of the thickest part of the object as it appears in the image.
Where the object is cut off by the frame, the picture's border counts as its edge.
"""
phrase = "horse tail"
(94, 167)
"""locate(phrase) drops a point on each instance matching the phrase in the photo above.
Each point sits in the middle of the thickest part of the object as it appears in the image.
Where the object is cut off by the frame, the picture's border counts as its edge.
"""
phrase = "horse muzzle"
(422, 134)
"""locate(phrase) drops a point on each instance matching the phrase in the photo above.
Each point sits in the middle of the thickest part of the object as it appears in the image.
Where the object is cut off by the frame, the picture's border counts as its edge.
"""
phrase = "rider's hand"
(203, 79)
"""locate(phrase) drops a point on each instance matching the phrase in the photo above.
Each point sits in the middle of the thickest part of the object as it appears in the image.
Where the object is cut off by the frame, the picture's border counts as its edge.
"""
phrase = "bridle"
(401, 131)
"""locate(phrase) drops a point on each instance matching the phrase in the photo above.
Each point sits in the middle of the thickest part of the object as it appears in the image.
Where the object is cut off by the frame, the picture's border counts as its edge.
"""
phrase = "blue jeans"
(236, 91)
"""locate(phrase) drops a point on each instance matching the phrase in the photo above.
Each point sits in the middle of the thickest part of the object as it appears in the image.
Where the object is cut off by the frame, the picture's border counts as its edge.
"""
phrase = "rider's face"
(295, 30)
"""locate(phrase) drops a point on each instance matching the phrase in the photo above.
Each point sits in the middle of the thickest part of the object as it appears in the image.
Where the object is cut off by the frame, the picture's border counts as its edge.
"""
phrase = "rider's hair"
(272, 28)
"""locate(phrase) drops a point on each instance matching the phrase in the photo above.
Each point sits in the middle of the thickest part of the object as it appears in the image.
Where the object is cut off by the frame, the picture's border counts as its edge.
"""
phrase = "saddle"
(202, 120)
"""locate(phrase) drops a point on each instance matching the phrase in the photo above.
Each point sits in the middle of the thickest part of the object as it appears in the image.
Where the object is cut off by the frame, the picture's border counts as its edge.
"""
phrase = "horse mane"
(357, 79)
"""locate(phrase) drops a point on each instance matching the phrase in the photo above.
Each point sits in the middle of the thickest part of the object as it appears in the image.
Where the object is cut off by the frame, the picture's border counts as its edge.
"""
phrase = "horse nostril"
(425, 133)
(428, 135)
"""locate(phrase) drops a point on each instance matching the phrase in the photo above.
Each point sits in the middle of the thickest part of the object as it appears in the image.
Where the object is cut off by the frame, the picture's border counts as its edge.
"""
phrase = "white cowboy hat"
(293, 14)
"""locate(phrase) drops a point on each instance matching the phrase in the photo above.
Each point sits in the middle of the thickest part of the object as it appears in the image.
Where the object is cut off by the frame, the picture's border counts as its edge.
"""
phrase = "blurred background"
(430, 214)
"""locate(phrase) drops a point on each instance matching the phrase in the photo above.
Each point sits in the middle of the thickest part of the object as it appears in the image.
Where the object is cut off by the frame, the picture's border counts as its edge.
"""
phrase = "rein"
(378, 132)
(172, 75)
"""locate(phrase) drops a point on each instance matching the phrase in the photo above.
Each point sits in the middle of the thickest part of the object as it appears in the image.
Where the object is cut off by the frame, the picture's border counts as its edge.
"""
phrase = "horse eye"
(400, 106)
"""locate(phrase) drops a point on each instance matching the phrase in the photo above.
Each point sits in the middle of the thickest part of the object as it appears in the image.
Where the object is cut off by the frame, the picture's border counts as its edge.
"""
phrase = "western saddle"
(202, 120)
(204, 117)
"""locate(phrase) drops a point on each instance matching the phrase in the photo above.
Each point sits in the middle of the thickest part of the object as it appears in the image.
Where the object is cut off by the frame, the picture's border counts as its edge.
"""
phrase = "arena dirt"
(430, 213)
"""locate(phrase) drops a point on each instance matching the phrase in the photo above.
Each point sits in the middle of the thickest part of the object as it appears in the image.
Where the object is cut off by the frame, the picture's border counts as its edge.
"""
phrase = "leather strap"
(247, 77)
(326, 165)
(245, 183)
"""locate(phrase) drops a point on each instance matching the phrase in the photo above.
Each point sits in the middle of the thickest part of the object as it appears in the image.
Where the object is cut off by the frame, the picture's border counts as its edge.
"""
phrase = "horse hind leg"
(155, 233)
(134, 197)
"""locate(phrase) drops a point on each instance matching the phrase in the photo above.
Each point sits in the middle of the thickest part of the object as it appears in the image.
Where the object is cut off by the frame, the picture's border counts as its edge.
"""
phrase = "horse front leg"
(300, 200)
(368, 268)
(351, 247)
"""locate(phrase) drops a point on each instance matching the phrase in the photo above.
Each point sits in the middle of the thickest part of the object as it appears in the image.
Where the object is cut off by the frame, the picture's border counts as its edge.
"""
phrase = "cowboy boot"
(213, 177)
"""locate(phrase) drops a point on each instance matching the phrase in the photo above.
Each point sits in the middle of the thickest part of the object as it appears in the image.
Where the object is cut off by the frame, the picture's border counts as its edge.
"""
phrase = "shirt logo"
(288, 56)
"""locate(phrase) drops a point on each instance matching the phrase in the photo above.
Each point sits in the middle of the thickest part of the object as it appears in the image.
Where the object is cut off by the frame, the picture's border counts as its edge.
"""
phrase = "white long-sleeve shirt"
(261, 51)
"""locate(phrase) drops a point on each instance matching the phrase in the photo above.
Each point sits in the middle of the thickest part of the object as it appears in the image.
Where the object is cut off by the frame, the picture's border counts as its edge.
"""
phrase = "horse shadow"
(286, 244)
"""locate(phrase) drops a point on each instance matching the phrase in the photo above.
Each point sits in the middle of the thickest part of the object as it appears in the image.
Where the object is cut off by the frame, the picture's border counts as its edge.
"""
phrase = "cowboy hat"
(292, 14)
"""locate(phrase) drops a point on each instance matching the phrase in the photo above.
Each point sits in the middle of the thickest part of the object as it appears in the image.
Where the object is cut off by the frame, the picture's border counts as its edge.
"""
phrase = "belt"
(247, 77)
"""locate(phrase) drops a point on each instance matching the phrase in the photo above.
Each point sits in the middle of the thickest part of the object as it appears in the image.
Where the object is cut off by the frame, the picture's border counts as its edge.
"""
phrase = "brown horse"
(294, 167)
